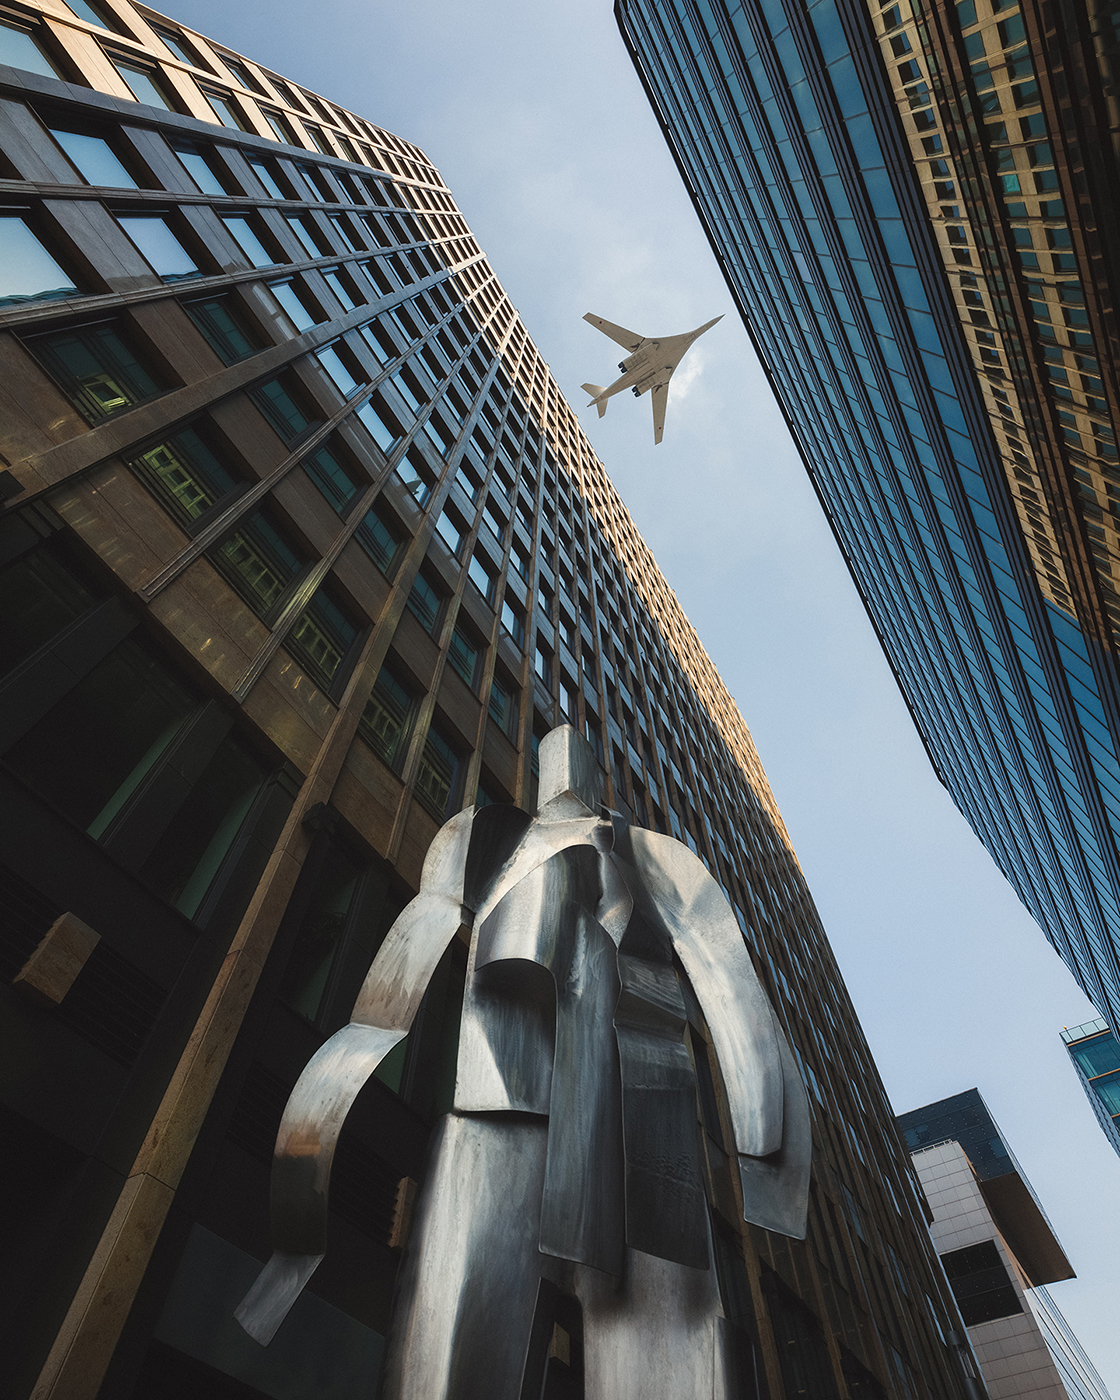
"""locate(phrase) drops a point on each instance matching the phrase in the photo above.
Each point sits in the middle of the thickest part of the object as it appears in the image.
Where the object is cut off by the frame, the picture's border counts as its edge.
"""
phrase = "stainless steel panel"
(776, 1188)
(709, 943)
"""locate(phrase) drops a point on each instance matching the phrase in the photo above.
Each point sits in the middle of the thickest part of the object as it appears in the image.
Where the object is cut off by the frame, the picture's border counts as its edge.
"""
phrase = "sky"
(538, 124)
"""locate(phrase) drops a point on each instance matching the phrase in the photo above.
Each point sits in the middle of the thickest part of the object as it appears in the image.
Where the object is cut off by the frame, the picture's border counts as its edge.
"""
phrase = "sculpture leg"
(657, 1336)
(463, 1317)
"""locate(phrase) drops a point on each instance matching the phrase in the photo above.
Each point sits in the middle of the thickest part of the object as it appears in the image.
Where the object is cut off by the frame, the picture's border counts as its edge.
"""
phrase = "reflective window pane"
(94, 160)
(161, 249)
(144, 86)
(242, 233)
(27, 270)
(19, 50)
(199, 170)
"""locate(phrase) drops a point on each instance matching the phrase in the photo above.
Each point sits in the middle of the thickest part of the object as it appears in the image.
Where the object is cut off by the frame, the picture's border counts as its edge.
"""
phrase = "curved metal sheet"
(541, 842)
(776, 1188)
(400, 972)
(301, 1169)
(709, 943)
(495, 836)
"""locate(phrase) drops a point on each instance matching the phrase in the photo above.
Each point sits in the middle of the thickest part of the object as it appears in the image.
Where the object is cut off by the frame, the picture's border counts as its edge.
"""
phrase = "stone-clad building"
(302, 551)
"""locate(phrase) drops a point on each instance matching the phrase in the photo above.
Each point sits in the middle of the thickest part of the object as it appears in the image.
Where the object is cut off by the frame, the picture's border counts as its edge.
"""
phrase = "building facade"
(1096, 1060)
(914, 207)
(999, 1253)
(303, 551)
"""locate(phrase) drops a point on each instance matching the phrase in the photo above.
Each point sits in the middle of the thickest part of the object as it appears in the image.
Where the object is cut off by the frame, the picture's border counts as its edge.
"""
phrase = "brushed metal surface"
(776, 1188)
(468, 1285)
(709, 943)
(568, 770)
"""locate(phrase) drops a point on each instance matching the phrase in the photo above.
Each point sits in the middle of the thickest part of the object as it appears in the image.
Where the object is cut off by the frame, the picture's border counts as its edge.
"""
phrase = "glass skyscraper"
(912, 209)
(303, 552)
(1095, 1054)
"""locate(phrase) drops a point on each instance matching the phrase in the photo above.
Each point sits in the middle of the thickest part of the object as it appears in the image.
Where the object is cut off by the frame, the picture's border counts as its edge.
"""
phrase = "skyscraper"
(914, 210)
(1096, 1060)
(303, 552)
(999, 1252)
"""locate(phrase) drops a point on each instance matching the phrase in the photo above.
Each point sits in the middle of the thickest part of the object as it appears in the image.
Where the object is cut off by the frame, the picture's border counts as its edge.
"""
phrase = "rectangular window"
(179, 47)
(542, 664)
(981, 1283)
(281, 129)
(386, 719)
(293, 305)
(199, 169)
(339, 365)
(227, 110)
(482, 577)
(415, 476)
(281, 409)
(159, 246)
(225, 327)
(306, 235)
(425, 603)
(144, 84)
(465, 656)
(27, 270)
(94, 159)
(97, 369)
(243, 234)
(322, 638)
(343, 288)
(513, 620)
(264, 174)
(504, 709)
(259, 561)
(18, 49)
(334, 480)
(382, 425)
(450, 533)
(185, 474)
(437, 782)
(381, 541)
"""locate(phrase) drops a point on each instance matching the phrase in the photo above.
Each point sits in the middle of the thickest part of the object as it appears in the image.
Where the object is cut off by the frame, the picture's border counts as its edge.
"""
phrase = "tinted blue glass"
(27, 270)
(94, 160)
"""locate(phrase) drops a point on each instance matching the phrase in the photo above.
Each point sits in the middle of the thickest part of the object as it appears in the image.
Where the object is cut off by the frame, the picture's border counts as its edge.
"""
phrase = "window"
(981, 1283)
(225, 327)
(93, 749)
(242, 233)
(437, 782)
(276, 401)
(415, 476)
(27, 270)
(161, 249)
(307, 235)
(513, 620)
(144, 84)
(179, 46)
(321, 930)
(227, 110)
(199, 169)
(39, 595)
(189, 854)
(504, 710)
(97, 369)
(542, 664)
(242, 74)
(281, 129)
(264, 173)
(568, 698)
(259, 561)
(339, 368)
(482, 577)
(185, 474)
(465, 656)
(386, 719)
(94, 159)
(425, 603)
(343, 287)
(335, 481)
(380, 539)
(382, 425)
(322, 638)
(293, 304)
(18, 49)
(450, 532)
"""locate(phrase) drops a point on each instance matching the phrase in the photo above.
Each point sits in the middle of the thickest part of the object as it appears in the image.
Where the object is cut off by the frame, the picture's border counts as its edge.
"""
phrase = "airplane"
(649, 365)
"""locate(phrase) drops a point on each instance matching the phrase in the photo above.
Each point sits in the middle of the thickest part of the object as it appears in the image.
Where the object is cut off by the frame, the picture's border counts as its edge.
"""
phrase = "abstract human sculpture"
(570, 1162)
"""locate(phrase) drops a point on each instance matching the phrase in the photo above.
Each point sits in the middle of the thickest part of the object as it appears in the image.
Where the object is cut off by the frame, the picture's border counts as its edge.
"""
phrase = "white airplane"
(649, 365)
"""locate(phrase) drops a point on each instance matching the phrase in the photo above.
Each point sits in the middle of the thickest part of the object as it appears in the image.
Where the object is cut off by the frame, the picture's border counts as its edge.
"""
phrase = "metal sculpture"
(570, 1162)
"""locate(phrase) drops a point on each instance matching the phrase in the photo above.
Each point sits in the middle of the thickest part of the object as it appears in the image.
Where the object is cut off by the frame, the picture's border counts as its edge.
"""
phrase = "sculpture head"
(571, 782)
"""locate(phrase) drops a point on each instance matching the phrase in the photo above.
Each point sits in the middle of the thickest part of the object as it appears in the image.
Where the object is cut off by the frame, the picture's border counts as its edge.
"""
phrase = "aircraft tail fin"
(595, 390)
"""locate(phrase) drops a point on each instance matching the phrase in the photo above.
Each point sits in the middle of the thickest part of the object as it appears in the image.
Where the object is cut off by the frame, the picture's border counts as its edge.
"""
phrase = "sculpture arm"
(334, 1076)
(765, 1093)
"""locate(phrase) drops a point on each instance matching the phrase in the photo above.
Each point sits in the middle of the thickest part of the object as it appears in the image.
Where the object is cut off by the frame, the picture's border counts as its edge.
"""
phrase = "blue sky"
(538, 124)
